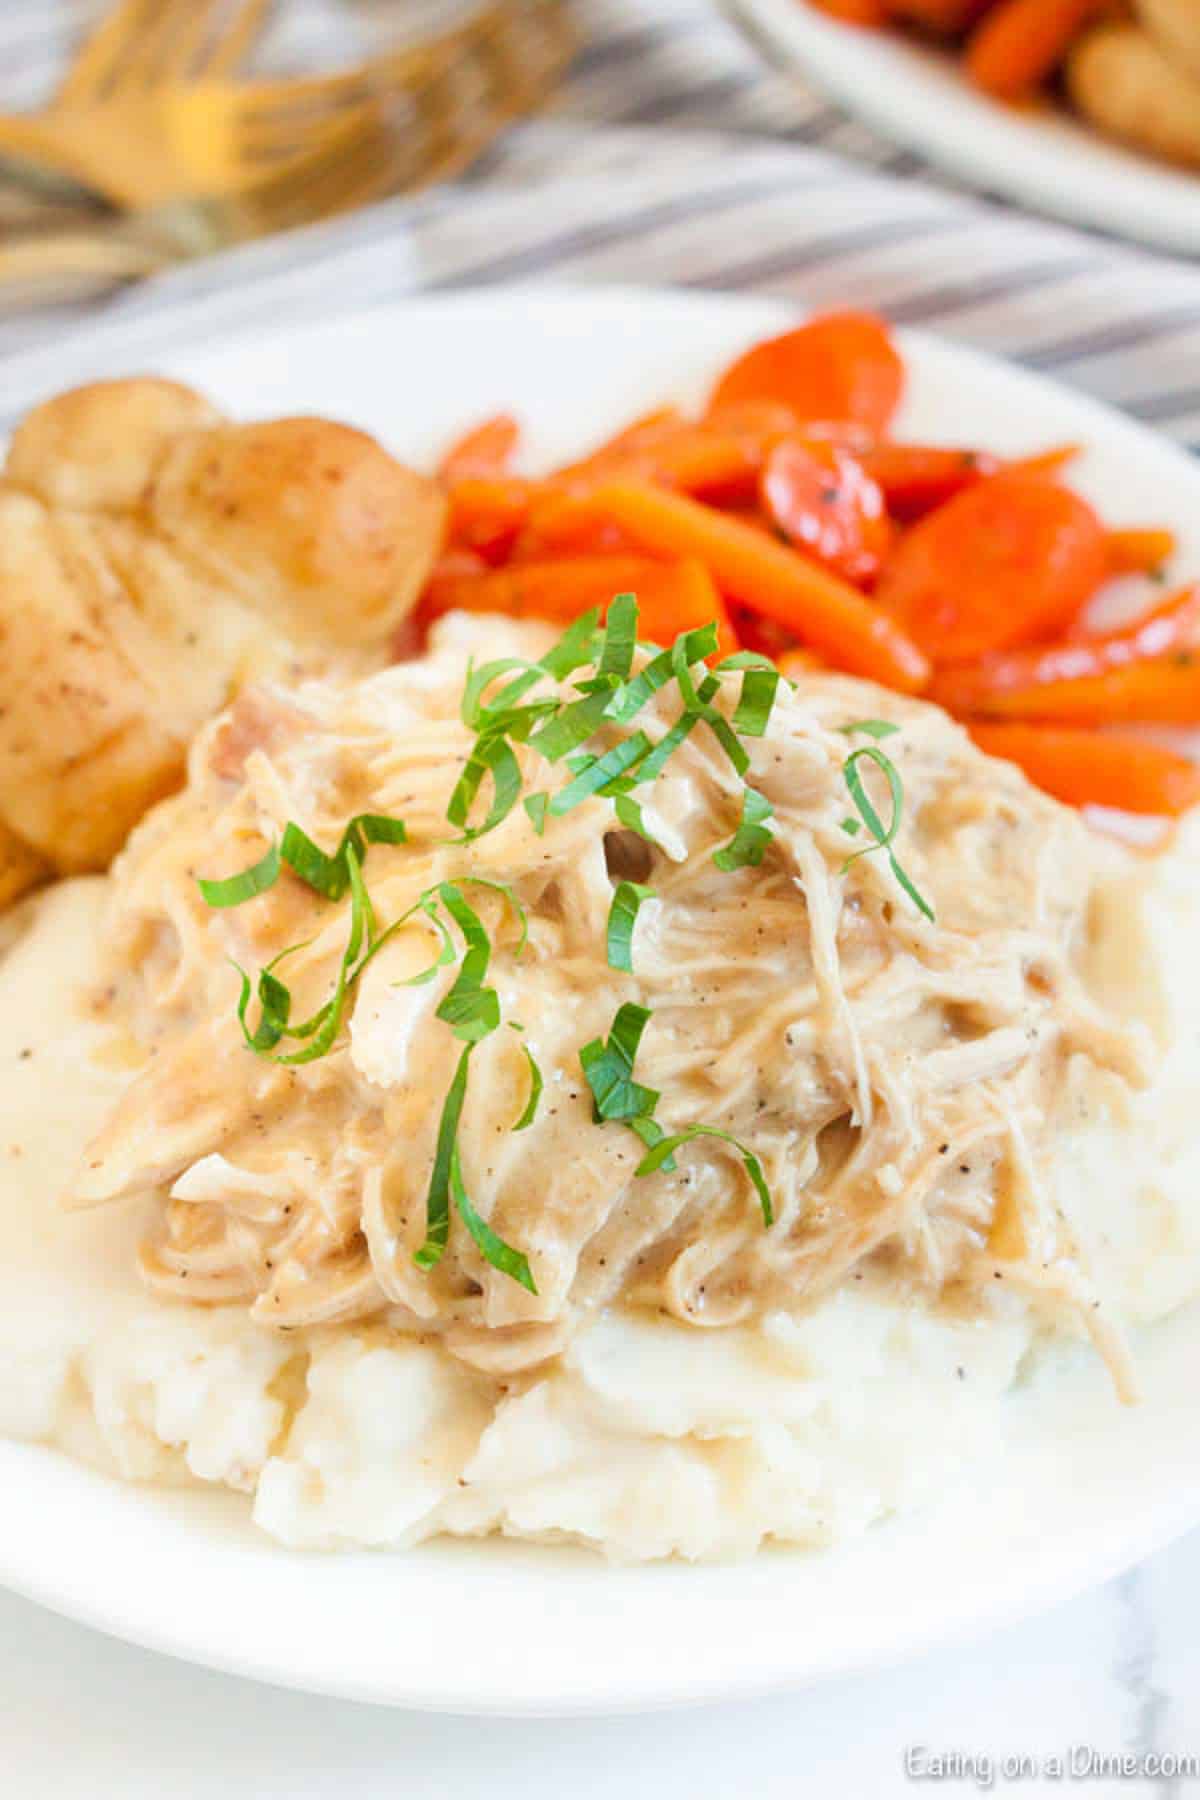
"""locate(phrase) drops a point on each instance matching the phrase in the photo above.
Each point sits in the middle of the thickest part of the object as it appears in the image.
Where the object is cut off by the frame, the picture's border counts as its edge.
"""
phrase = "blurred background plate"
(919, 98)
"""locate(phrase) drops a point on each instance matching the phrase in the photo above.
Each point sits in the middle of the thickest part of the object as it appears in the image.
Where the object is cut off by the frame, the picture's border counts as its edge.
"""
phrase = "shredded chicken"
(899, 1078)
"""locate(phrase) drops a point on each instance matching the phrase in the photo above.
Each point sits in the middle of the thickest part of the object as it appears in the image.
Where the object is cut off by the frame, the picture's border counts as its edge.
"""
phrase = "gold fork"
(396, 124)
(138, 48)
(144, 145)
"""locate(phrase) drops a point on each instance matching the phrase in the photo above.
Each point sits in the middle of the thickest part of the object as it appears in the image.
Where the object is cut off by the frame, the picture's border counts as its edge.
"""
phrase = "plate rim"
(798, 43)
(1167, 1520)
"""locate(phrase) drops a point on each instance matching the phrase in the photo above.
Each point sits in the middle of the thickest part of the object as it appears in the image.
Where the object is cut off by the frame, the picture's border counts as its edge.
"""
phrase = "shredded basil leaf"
(535, 805)
(235, 890)
(627, 901)
(437, 1199)
(883, 835)
(536, 1084)
(629, 699)
(748, 845)
(872, 728)
(494, 1250)
(629, 813)
(620, 639)
(599, 771)
(608, 1068)
(491, 756)
(657, 1157)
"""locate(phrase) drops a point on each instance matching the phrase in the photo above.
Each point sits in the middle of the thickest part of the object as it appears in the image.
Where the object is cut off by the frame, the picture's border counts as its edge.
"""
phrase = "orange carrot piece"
(1021, 42)
(559, 590)
(945, 17)
(842, 366)
(1091, 768)
(486, 513)
(486, 449)
(915, 478)
(672, 597)
(771, 579)
(1044, 462)
(855, 12)
(1139, 550)
(675, 597)
(796, 663)
(1075, 680)
(822, 499)
(1161, 691)
(1008, 562)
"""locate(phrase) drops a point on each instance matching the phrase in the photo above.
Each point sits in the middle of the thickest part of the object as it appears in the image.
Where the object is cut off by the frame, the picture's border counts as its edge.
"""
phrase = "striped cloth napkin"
(673, 157)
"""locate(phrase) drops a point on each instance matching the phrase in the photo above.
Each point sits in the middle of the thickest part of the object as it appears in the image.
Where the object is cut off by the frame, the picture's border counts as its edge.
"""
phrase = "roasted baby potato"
(1123, 81)
(153, 559)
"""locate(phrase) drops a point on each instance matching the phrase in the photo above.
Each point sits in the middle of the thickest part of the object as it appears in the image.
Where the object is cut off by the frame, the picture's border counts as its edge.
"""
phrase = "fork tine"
(98, 60)
(230, 48)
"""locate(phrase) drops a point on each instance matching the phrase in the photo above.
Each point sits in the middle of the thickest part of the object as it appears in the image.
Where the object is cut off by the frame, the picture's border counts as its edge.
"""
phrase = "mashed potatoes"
(642, 1435)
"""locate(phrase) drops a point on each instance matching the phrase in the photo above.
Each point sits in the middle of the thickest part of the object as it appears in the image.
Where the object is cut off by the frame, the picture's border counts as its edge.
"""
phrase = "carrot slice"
(771, 579)
(1021, 42)
(486, 449)
(1139, 550)
(1075, 680)
(843, 366)
(1091, 768)
(1161, 691)
(822, 498)
(486, 513)
(558, 590)
(1045, 462)
(915, 478)
(672, 597)
(855, 12)
(1008, 562)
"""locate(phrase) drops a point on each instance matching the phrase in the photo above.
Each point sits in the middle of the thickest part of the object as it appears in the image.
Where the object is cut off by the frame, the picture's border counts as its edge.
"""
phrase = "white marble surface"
(1118, 1670)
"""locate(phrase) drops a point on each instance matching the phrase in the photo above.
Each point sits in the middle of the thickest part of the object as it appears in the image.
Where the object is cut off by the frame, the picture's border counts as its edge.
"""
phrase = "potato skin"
(93, 447)
(312, 522)
(155, 558)
(1175, 26)
(1122, 81)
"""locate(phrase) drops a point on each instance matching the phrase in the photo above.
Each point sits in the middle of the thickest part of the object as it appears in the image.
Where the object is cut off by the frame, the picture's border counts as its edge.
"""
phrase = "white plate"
(918, 97)
(1086, 1486)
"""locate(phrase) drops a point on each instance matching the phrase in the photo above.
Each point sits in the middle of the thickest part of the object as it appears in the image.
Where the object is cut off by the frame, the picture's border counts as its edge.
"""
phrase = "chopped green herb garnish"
(627, 901)
(872, 728)
(608, 1067)
(535, 805)
(748, 845)
(595, 775)
(235, 890)
(536, 1084)
(620, 638)
(760, 684)
(502, 1256)
(437, 1198)
(883, 835)
(629, 814)
(657, 1158)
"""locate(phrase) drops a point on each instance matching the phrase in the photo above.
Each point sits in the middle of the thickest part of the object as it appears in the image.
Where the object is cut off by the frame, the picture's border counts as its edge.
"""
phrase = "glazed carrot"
(823, 500)
(485, 450)
(486, 512)
(917, 477)
(946, 17)
(842, 366)
(1161, 691)
(855, 12)
(1139, 550)
(1077, 679)
(558, 590)
(771, 579)
(1008, 562)
(672, 597)
(1045, 462)
(1091, 768)
(795, 663)
(675, 597)
(1021, 42)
